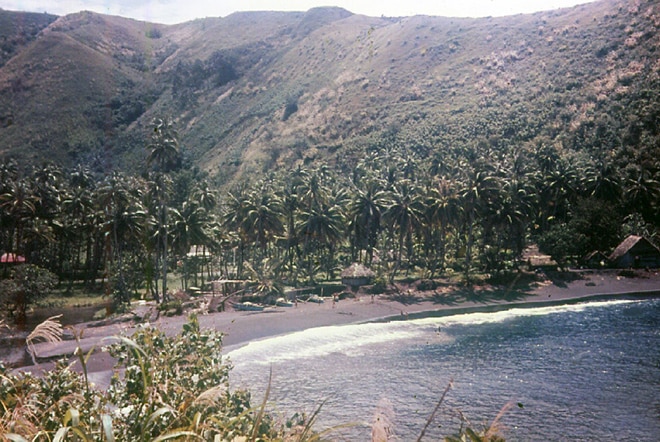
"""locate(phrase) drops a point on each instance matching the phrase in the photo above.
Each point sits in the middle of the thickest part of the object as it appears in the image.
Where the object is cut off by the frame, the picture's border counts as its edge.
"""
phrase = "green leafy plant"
(26, 285)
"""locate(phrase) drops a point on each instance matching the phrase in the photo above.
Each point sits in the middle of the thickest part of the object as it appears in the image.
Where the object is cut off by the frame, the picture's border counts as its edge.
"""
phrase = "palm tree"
(164, 156)
(124, 218)
(235, 209)
(77, 209)
(263, 217)
(556, 186)
(642, 191)
(47, 186)
(164, 153)
(188, 228)
(519, 205)
(320, 228)
(478, 193)
(365, 212)
(204, 196)
(19, 207)
(404, 214)
(206, 199)
(290, 203)
(442, 211)
(603, 180)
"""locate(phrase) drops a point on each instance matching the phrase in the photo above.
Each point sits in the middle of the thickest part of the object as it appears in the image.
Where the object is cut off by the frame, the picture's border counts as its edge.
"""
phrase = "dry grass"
(48, 331)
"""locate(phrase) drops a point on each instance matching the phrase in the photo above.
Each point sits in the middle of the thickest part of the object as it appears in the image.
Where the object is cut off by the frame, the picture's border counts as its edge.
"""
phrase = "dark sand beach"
(241, 327)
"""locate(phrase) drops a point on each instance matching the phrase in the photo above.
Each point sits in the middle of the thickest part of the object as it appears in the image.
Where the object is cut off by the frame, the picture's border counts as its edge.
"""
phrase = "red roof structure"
(11, 258)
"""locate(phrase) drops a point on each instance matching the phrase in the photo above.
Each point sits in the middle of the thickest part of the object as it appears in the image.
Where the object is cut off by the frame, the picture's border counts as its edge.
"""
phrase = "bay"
(586, 371)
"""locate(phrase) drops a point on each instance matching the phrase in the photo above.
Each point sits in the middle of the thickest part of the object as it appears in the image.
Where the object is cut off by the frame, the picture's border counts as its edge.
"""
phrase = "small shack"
(637, 252)
(535, 259)
(595, 260)
(356, 275)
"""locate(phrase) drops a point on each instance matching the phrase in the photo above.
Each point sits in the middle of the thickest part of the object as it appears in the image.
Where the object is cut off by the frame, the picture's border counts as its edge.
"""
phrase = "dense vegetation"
(400, 208)
(423, 147)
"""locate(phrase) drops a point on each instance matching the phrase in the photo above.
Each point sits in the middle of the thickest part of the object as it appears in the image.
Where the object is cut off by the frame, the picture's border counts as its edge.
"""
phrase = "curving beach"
(240, 327)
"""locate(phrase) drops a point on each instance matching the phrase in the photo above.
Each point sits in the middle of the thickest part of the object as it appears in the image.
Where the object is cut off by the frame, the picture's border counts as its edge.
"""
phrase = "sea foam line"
(350, 339)
(477, 318)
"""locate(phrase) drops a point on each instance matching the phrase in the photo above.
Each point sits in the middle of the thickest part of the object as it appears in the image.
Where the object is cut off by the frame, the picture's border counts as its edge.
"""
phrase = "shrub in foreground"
(164, 388)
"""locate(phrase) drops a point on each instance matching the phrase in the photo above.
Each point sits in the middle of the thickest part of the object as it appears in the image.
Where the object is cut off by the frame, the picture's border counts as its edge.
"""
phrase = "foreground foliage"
(164, 388)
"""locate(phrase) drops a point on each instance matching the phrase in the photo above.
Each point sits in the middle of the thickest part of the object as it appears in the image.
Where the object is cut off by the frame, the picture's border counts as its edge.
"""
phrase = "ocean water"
(581, 372)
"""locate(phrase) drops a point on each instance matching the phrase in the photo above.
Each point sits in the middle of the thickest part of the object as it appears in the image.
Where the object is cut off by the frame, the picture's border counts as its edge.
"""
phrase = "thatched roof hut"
(356, 275)
(635, 251)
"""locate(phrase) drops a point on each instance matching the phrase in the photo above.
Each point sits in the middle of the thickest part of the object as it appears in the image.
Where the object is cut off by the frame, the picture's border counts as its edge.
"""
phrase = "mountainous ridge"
(325, 84)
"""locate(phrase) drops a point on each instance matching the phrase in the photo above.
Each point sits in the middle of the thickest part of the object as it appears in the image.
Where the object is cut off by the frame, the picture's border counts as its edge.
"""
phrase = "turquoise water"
(588, 371)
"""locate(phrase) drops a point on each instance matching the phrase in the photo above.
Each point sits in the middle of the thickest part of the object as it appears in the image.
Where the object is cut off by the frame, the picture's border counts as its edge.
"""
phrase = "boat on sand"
(248, 306)
(281, 302)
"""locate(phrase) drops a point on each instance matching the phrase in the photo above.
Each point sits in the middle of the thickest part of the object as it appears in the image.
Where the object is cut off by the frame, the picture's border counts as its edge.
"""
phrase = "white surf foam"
(351, 339)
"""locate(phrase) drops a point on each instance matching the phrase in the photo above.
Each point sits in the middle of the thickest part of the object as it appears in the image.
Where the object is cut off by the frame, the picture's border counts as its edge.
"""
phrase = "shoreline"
(240, 327)
(239, 335)
(460, 310)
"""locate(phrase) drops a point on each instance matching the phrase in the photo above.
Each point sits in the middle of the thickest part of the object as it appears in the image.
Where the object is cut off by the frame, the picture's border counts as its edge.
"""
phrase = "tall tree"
(320, 229)
(365, 212)
(404, 214)
(119, 198)
(164, 156)
(442, 211)
(19, 206)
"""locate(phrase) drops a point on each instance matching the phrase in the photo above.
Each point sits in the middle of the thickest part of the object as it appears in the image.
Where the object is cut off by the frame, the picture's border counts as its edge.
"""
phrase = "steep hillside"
(254, 91)
(18, 29)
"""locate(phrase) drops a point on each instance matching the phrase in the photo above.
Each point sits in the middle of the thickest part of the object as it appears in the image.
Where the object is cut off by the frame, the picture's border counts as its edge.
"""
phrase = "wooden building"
(636, 252)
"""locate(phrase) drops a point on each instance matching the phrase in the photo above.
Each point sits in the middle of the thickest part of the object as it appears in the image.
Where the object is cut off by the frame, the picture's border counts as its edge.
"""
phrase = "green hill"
(263, 90)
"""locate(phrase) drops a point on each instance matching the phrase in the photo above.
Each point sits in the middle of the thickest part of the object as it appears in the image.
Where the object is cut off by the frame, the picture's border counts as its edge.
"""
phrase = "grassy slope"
(17, 29)
(437, 83)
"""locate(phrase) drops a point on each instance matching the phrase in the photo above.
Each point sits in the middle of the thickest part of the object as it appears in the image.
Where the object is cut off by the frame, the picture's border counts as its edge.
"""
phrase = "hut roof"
(357, 270)
(596, 254)
(629, 243)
